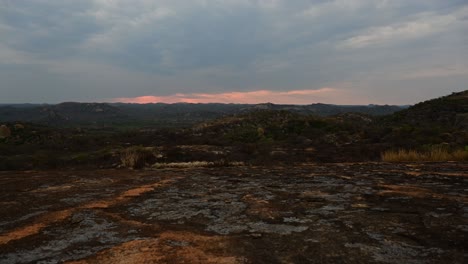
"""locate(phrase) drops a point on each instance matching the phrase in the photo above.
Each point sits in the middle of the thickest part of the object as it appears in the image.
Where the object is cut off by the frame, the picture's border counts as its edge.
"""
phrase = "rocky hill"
(442, 120)
(437, 123)
(451, 110)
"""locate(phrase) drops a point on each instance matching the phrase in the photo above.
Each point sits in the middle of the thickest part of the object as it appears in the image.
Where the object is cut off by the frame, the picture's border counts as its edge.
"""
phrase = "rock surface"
(327, 213)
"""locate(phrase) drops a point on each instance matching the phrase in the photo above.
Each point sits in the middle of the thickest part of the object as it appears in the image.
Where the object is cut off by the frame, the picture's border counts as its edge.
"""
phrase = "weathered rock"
(329, 213)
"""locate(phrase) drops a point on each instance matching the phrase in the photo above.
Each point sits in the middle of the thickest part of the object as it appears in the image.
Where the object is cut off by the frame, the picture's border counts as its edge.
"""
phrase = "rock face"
(5, 132)
(330, 213)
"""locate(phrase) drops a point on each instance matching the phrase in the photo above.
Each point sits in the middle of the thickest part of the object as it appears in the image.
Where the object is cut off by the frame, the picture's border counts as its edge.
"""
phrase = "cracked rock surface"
(311, 213)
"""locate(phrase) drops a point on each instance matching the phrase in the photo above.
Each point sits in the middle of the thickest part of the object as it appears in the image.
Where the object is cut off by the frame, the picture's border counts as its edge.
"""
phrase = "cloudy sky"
(245, 51)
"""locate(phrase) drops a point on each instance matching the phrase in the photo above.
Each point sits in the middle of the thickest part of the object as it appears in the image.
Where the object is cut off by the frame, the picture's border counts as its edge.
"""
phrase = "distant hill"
(180, 114)
(63, 114)
(329, 109)
(92, 134)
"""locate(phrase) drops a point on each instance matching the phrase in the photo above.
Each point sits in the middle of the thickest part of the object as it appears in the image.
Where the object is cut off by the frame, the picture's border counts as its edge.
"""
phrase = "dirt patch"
(169, 247)
(412, 191)
(35, 228)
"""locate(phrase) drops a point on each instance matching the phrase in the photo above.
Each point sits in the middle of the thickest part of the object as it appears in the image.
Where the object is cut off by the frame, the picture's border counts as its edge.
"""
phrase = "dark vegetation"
(82, 135)
(167, 115)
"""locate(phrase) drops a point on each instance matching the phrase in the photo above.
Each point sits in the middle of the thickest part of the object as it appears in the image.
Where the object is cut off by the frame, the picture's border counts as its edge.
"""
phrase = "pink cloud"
(323, 95)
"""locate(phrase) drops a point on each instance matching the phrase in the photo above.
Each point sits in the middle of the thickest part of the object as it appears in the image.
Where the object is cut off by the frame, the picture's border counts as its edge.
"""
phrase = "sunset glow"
(323, 95)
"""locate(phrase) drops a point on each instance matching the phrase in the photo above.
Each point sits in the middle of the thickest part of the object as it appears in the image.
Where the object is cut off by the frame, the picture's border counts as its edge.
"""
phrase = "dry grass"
(401, 155)
(137, 157)
(461, 155)
(194, 164)
(435, 154)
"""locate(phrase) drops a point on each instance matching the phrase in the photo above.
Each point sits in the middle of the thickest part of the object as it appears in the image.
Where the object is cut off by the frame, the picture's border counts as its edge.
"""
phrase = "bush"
(5, 132)
(137, 157)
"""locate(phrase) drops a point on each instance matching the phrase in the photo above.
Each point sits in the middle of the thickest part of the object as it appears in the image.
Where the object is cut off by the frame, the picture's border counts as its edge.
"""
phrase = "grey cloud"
(80, 50)
(46, 28)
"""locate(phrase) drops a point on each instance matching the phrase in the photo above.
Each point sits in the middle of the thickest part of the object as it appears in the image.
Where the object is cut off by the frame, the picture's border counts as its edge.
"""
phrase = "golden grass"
(136, 157)
(461, 155)
(435, 154)
(438, 154)
(400, 155)
(193, 164)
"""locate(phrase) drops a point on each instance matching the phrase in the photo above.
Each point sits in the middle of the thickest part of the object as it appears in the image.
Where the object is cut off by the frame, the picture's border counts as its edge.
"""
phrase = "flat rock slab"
(311, 213)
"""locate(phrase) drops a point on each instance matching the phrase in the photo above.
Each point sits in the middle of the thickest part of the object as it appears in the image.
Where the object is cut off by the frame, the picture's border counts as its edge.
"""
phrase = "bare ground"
(327, 213)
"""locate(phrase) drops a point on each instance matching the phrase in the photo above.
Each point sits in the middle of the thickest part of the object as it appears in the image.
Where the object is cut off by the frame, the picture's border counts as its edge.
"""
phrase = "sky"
(232, 51)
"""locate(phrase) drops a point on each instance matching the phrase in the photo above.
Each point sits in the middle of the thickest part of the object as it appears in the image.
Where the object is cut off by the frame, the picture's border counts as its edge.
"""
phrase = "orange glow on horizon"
(323, 95)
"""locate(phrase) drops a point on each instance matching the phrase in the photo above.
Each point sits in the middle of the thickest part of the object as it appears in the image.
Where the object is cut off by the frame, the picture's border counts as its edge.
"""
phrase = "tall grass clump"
(438, 154)
(460, 155)
(401, 155)
(434, 154)
(137, 157)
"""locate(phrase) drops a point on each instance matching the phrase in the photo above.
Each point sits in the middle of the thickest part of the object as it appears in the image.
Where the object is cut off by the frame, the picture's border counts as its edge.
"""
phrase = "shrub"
(137, 157)
(5, 132)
